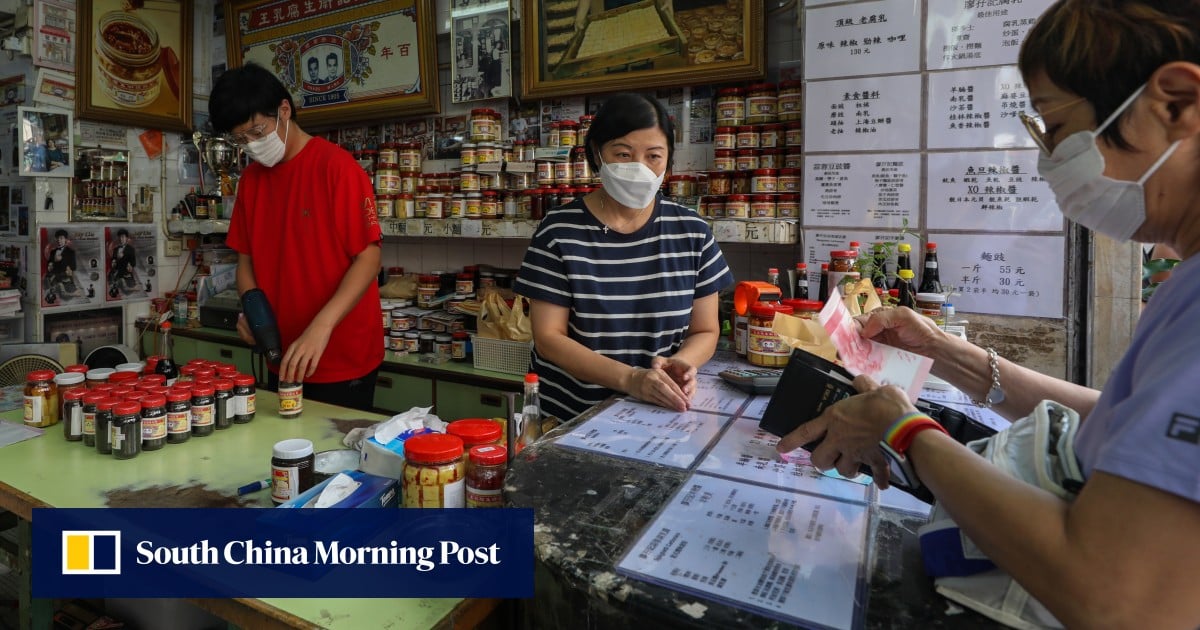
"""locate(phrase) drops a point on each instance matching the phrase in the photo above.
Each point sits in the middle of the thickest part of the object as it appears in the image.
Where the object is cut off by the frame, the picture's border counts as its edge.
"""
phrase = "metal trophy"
(222, 157)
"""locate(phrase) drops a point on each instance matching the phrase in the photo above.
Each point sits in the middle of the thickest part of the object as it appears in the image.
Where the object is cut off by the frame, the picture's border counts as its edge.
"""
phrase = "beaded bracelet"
(904, 430)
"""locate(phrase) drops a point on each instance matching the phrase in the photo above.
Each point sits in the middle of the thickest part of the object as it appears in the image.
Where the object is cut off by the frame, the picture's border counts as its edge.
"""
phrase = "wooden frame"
(371, 60)
(46, 142)
(147, 85)
(668, 44)
(53, 39)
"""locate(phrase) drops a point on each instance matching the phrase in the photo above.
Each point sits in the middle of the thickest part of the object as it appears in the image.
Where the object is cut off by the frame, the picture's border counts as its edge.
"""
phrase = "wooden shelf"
(764, 231)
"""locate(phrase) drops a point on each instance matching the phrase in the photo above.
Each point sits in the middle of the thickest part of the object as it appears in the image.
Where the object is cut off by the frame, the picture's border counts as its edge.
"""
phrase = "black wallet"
(810, 383)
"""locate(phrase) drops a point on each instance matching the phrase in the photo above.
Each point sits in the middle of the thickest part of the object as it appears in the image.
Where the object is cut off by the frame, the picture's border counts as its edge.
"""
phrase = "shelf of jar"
(198, 226)
(765, 231)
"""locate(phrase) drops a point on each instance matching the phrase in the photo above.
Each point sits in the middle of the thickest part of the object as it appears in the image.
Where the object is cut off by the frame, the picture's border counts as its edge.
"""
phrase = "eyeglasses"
(1037, 128)
(256, 132)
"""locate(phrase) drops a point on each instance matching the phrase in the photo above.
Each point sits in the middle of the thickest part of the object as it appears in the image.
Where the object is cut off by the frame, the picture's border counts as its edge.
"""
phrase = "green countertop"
(398, 362)
(203, 472)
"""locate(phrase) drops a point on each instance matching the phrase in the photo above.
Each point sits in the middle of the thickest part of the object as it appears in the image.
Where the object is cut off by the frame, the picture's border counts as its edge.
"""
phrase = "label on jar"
(78, 425)
(202, 415)
(89, 422)
(454, 494)
(291, 399)
(179, 422)
(479, 498)
(764, 341)
(34, 405)
(154, 427)
(244, 404)
(285, 481)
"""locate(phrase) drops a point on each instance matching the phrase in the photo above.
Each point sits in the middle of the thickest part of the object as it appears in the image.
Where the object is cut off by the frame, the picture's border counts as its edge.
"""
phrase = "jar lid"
(795, 83)
(430, 448)
(731, 91)
(460, 335)
(737, 198)
(931, 297)
(768, 309)
(568, 123)
(68, 378)
(844, 253)
(104, 404)
(764, 172)
(154, 379)
(762, 198)
(40, 375)
(243, 379)
(223, 384)
(294, 448)
(772, 126)
(789, 197)
(760, 86)
(488, 454)
(744, 152)
(78, 367)
(98, 374)
(203, 389)
(94, 397)
(179, 395)
(127, 408)
(804, 305)
(153, 400)
(475, 430)
(74, 394)
(123, 377)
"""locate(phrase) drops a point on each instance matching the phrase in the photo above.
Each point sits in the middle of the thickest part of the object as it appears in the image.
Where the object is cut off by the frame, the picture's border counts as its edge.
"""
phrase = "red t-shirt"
(302, 222)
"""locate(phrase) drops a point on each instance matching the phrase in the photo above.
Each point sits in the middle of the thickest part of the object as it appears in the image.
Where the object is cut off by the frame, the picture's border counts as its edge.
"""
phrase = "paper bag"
(399, 287)
(498, 321)
(860, 297)
(806, 334)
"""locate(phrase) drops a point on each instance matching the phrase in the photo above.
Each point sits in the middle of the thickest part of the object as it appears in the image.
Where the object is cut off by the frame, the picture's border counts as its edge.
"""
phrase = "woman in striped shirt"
(623, 283)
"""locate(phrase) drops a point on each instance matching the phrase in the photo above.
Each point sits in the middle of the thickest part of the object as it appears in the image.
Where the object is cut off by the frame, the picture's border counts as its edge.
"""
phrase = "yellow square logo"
(91, 552)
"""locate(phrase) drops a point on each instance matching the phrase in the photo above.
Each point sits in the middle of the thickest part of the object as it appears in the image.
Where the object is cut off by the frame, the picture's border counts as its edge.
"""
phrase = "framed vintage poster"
(54, 25)
(46, 142)
(358, 60)
(482, 67)
(54, 88)
(135, 66)
(577, 46)
(72, 265)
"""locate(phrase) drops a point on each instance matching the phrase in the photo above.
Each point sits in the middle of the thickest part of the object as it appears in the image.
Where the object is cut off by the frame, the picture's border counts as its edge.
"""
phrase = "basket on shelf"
(501, 355)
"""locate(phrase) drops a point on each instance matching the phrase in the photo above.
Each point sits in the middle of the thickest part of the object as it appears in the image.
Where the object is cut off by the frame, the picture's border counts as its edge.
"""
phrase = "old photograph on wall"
(481, 67)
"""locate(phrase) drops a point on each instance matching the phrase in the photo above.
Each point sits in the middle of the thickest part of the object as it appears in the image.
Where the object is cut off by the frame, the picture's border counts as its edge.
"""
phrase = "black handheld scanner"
(263, 326)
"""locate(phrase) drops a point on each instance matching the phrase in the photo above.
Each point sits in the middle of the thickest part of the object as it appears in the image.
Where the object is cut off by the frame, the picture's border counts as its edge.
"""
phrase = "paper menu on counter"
(791, 556)
(720, 361)
(715, 395)
(957, 400)
(859, 355)
(747, 453)
(756, 407)
(647, 433)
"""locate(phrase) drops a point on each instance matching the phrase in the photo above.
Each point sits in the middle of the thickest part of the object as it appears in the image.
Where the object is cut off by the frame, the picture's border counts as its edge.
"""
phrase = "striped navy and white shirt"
(630, 295)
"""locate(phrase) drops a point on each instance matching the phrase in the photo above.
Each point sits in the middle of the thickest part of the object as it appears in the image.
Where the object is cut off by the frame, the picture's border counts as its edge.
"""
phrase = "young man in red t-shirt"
(305, 230)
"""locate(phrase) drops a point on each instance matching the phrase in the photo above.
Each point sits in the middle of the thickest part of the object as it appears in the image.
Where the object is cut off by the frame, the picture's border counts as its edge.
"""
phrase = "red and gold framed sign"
(343, 60)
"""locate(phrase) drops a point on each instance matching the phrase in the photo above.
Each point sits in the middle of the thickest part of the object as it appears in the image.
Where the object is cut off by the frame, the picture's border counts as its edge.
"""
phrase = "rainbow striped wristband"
(900, 434)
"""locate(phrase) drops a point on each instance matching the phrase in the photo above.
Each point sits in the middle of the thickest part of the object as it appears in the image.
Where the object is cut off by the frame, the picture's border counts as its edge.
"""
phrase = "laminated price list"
(788, 555)
(635, 430)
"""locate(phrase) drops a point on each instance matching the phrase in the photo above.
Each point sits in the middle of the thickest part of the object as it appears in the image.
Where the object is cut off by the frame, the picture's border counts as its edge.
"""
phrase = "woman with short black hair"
(623, 283)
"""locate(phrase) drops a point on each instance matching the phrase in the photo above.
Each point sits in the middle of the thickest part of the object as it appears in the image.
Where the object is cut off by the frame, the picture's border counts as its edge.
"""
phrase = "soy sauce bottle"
(166, 365)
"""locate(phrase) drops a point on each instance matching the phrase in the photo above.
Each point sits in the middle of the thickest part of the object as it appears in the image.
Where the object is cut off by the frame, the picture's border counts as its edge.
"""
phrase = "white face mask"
(269, 149)
(1085, 195)
(631, 184)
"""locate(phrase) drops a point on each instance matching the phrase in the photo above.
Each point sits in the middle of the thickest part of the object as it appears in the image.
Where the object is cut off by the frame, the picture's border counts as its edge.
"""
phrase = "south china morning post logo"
(221, 553)
(91, 552)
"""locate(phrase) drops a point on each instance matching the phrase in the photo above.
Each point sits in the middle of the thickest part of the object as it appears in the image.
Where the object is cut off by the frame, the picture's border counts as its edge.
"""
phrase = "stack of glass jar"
(757, 153)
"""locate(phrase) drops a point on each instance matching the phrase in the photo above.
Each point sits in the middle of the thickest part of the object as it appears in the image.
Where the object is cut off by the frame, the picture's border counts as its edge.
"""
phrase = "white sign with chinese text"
(788, 555)
(978, 109)
(1011, 274)
(864, 114)
(844, 40)
(990, 190)
(875, 191)
(969, 33)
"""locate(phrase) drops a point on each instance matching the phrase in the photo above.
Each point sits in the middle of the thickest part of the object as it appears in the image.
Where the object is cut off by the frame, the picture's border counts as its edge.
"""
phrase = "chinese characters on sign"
(969, 33)
(836, 190)
(882, 35)
(977, 109)
(992, 191)
(1016, 274)
(876, 113)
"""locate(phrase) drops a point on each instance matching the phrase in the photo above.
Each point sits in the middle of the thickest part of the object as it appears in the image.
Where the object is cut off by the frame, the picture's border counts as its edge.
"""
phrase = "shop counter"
(49, 471)
(593, 507)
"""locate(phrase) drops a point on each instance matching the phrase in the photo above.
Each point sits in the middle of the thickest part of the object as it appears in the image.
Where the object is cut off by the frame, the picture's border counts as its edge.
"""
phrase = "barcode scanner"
(263, 326)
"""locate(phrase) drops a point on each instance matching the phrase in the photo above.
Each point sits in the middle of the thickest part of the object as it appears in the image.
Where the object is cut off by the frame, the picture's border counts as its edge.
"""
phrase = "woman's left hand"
(851, 429)
(683, 373)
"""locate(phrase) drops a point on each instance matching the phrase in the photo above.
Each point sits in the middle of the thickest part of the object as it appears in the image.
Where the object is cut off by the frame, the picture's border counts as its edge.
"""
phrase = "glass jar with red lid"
(434, 473)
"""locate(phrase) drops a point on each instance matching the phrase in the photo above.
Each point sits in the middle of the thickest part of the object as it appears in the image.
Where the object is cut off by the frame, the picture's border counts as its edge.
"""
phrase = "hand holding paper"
(859, 355)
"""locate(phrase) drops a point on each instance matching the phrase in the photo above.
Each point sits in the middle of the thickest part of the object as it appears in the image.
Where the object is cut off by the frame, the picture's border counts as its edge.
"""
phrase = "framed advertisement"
(72, 259)
(130, 272)
(578, 46)
(373, 59)
(54, 88)
(54, 25)
(46, 142)
(134, 67)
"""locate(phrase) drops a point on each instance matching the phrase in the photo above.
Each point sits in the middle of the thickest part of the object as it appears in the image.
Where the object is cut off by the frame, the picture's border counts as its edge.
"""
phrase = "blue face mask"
(1075, 172)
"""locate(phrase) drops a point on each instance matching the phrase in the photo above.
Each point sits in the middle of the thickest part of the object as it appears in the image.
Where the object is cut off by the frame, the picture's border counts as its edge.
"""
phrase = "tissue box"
(385, 460)
(375, 492)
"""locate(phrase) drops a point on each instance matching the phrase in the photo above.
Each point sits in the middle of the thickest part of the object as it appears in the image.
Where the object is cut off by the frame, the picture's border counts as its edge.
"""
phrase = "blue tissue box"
(375, 492)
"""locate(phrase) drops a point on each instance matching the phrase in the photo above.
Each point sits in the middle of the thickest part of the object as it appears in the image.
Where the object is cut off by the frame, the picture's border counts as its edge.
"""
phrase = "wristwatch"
(995, 395)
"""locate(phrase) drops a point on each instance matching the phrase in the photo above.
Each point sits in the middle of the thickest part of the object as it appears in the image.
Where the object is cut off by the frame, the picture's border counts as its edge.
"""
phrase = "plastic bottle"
(773, 277)
(801, 292)
(903, 261)
(823, 288)
(531, 413)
